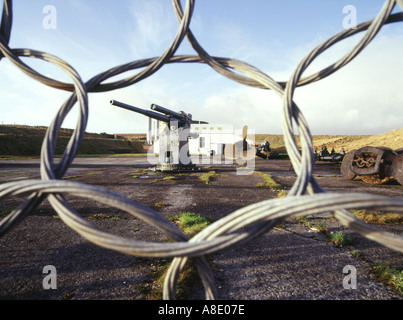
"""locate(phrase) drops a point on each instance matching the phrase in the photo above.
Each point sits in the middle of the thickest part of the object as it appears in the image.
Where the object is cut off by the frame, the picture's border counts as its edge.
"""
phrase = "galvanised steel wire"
(306, 196)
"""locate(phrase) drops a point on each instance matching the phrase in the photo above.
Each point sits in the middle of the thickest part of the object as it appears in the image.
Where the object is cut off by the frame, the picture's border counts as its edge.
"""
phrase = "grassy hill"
(27, 141)
(18, 140)
(331, 141)
(392, 139)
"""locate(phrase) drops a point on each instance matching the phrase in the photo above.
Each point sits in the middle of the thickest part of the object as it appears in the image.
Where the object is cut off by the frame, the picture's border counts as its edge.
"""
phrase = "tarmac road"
(288, 263)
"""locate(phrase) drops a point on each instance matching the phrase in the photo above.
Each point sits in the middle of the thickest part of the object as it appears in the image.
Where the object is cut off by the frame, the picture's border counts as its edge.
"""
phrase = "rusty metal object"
(375, 165)
(346, 166)
(376, 179)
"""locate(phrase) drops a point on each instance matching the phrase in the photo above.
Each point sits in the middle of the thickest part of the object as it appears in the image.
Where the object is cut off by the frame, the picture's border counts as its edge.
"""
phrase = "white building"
(211, 138)
(207, 139)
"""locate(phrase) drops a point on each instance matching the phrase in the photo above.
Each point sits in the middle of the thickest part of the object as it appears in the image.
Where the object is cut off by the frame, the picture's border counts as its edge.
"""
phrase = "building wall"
(211, 138)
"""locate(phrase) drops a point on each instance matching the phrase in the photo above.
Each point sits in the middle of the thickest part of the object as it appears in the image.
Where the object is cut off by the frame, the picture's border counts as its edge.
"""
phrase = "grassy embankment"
(18, 140)
(26, 141)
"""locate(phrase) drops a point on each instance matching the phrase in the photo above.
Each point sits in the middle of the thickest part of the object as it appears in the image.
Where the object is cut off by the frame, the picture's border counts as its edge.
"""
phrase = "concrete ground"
(290, 262)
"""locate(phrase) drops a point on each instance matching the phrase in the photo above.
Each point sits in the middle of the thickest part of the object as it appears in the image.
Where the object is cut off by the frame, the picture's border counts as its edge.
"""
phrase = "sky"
(364, 97)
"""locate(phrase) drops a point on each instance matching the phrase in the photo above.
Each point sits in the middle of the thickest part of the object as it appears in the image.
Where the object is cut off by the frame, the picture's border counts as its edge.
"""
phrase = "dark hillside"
(18, 140)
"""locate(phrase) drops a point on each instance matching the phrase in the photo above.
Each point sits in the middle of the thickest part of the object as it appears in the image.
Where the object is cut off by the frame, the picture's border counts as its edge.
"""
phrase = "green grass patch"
(281, 194)
(357, 254)
(5, 212)
(153, 290)
(207, 177)
(137, 173)
(268, 182)
(104, 216)
(191, 224)
(384, 272)
(160, 204)
(338, 239)
(320, 227)
(390, 275)
(142, 171)
(83, 175)
(377, 217)
(167, 178)
(306, 221)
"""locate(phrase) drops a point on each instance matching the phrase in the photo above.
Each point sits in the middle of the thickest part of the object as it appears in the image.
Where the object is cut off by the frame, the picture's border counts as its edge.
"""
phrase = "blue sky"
(363, 98)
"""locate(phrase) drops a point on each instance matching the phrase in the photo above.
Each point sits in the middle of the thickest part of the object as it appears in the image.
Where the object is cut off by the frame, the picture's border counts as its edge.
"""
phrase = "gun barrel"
(168, 112)
(147, 113)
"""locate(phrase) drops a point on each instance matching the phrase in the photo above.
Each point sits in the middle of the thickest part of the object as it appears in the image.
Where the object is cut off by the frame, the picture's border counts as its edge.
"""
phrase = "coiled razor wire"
(305, 197)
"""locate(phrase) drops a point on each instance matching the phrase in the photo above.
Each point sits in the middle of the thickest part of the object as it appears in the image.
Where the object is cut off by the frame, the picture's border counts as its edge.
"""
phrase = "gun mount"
(375, 165)
(174, 139)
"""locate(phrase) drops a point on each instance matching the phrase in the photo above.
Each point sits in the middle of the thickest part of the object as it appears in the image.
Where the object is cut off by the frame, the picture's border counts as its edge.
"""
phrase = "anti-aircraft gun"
(173, 140)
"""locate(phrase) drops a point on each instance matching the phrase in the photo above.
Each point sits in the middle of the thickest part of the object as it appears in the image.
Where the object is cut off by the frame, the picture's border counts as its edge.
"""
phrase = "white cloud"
(26, 101)
(258, 109)
(365, 97)
(153, 28)
(103, 117)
